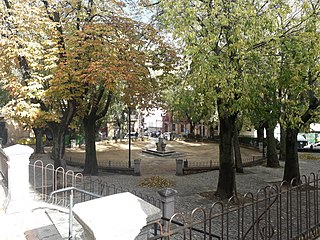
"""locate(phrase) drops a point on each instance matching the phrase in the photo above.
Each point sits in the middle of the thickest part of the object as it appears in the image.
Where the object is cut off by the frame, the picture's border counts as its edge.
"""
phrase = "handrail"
(71, 190)
(74, 188)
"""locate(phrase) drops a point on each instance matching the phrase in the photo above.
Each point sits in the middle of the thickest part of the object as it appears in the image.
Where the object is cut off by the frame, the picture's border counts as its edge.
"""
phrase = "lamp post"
(201, 130)
(129, 120)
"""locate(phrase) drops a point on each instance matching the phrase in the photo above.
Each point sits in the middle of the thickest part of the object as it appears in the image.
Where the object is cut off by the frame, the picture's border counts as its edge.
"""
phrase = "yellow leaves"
(156, 182)
(109, 51)
(106, 54)
(22, 110)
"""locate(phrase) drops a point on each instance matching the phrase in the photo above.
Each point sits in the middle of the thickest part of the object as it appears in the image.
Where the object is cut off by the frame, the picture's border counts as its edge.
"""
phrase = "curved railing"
(71, 190)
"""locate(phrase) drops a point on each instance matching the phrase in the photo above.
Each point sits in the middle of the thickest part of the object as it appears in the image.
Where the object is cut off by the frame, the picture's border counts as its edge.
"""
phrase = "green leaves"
(251, 56)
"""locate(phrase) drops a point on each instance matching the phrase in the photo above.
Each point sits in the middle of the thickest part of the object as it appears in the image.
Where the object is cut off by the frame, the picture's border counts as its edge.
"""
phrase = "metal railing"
(190, 167)
(45, 179)
(278, 212)
(71, 203)
(108, 163)
(66, 188)
(107, 166)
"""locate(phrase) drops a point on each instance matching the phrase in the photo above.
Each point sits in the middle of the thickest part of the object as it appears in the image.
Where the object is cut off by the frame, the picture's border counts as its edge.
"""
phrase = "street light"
(129, 120)
(201, 121)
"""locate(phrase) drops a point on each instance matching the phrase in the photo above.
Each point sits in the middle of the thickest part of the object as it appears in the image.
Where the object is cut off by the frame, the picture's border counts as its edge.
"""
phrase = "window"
(173, 127)
(182, 128)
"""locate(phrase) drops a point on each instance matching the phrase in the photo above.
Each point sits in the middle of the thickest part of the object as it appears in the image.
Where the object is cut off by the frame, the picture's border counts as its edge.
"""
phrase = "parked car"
(302, 141)
(132, 135)
(167, 136)
(155, 134)
(312, 146)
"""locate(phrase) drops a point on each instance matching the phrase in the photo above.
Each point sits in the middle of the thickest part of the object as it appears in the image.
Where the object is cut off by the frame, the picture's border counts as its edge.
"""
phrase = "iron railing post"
(72, 189)
(71, 215)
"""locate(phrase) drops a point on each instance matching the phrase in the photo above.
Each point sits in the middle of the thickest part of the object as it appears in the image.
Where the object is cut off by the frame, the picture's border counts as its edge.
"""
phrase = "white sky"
(154, 119)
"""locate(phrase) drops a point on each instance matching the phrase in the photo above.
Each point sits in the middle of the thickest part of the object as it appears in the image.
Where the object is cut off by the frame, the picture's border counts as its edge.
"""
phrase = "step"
(60, 218)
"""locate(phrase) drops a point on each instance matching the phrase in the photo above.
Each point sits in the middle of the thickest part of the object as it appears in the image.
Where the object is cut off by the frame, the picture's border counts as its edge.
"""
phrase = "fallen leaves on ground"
(157, 182)
(309, 156)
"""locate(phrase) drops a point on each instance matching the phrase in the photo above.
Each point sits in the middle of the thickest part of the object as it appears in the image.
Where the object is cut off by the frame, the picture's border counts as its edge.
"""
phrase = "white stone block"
(118, 217)
(18, 198)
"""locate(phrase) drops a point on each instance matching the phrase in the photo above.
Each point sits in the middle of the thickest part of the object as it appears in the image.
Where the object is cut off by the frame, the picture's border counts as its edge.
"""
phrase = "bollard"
(137, 167)
(185, 164)
(168, 200)
(179, 167)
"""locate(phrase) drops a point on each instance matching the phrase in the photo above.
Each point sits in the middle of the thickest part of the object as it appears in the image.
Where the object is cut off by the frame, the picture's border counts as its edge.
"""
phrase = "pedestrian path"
(31, 225)
(36, 222)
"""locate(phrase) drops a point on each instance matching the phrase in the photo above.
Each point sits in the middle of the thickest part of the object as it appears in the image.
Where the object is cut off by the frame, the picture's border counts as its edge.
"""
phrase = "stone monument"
(160, 148)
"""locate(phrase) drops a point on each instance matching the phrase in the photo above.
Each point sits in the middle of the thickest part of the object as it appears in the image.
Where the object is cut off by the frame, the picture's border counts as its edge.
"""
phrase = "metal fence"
(4, 166)
(45, 179)
(190, 167)
(107, 163)
(107, 166)
(277, 212)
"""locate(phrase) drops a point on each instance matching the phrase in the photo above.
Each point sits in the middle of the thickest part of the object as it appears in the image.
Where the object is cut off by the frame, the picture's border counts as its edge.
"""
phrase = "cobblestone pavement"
(189, 187)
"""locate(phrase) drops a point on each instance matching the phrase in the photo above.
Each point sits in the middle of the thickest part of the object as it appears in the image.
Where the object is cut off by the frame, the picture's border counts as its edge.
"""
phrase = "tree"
(292, 60)
(54, 95)
(4, 96)
(216, 40)
(262, 102)
(186, 102)
(299, 81)
(28, 52)
(287, 64)
(117, 116)
(112, 56)
(237, 149)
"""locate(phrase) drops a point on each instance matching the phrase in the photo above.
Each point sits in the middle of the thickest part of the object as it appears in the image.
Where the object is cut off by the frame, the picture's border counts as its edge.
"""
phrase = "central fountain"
(160, 149)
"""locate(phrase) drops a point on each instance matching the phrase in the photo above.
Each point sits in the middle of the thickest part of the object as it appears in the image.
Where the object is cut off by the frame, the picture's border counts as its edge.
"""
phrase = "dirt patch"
(150, 164)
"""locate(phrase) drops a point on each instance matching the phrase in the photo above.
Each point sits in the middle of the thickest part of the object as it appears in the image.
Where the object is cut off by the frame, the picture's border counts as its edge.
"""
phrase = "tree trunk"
(237, 153)
(192, 127)
(260, 134)
(39, 141)
(226, 183)
(282, 143)
(291, 169)
(211, 132)
(58, 146)
(91, 164)
(272, 156)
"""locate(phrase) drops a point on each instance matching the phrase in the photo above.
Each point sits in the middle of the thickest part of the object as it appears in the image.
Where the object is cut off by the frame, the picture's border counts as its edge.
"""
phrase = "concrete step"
(46, 230)
(60, 218)
(30, 225)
